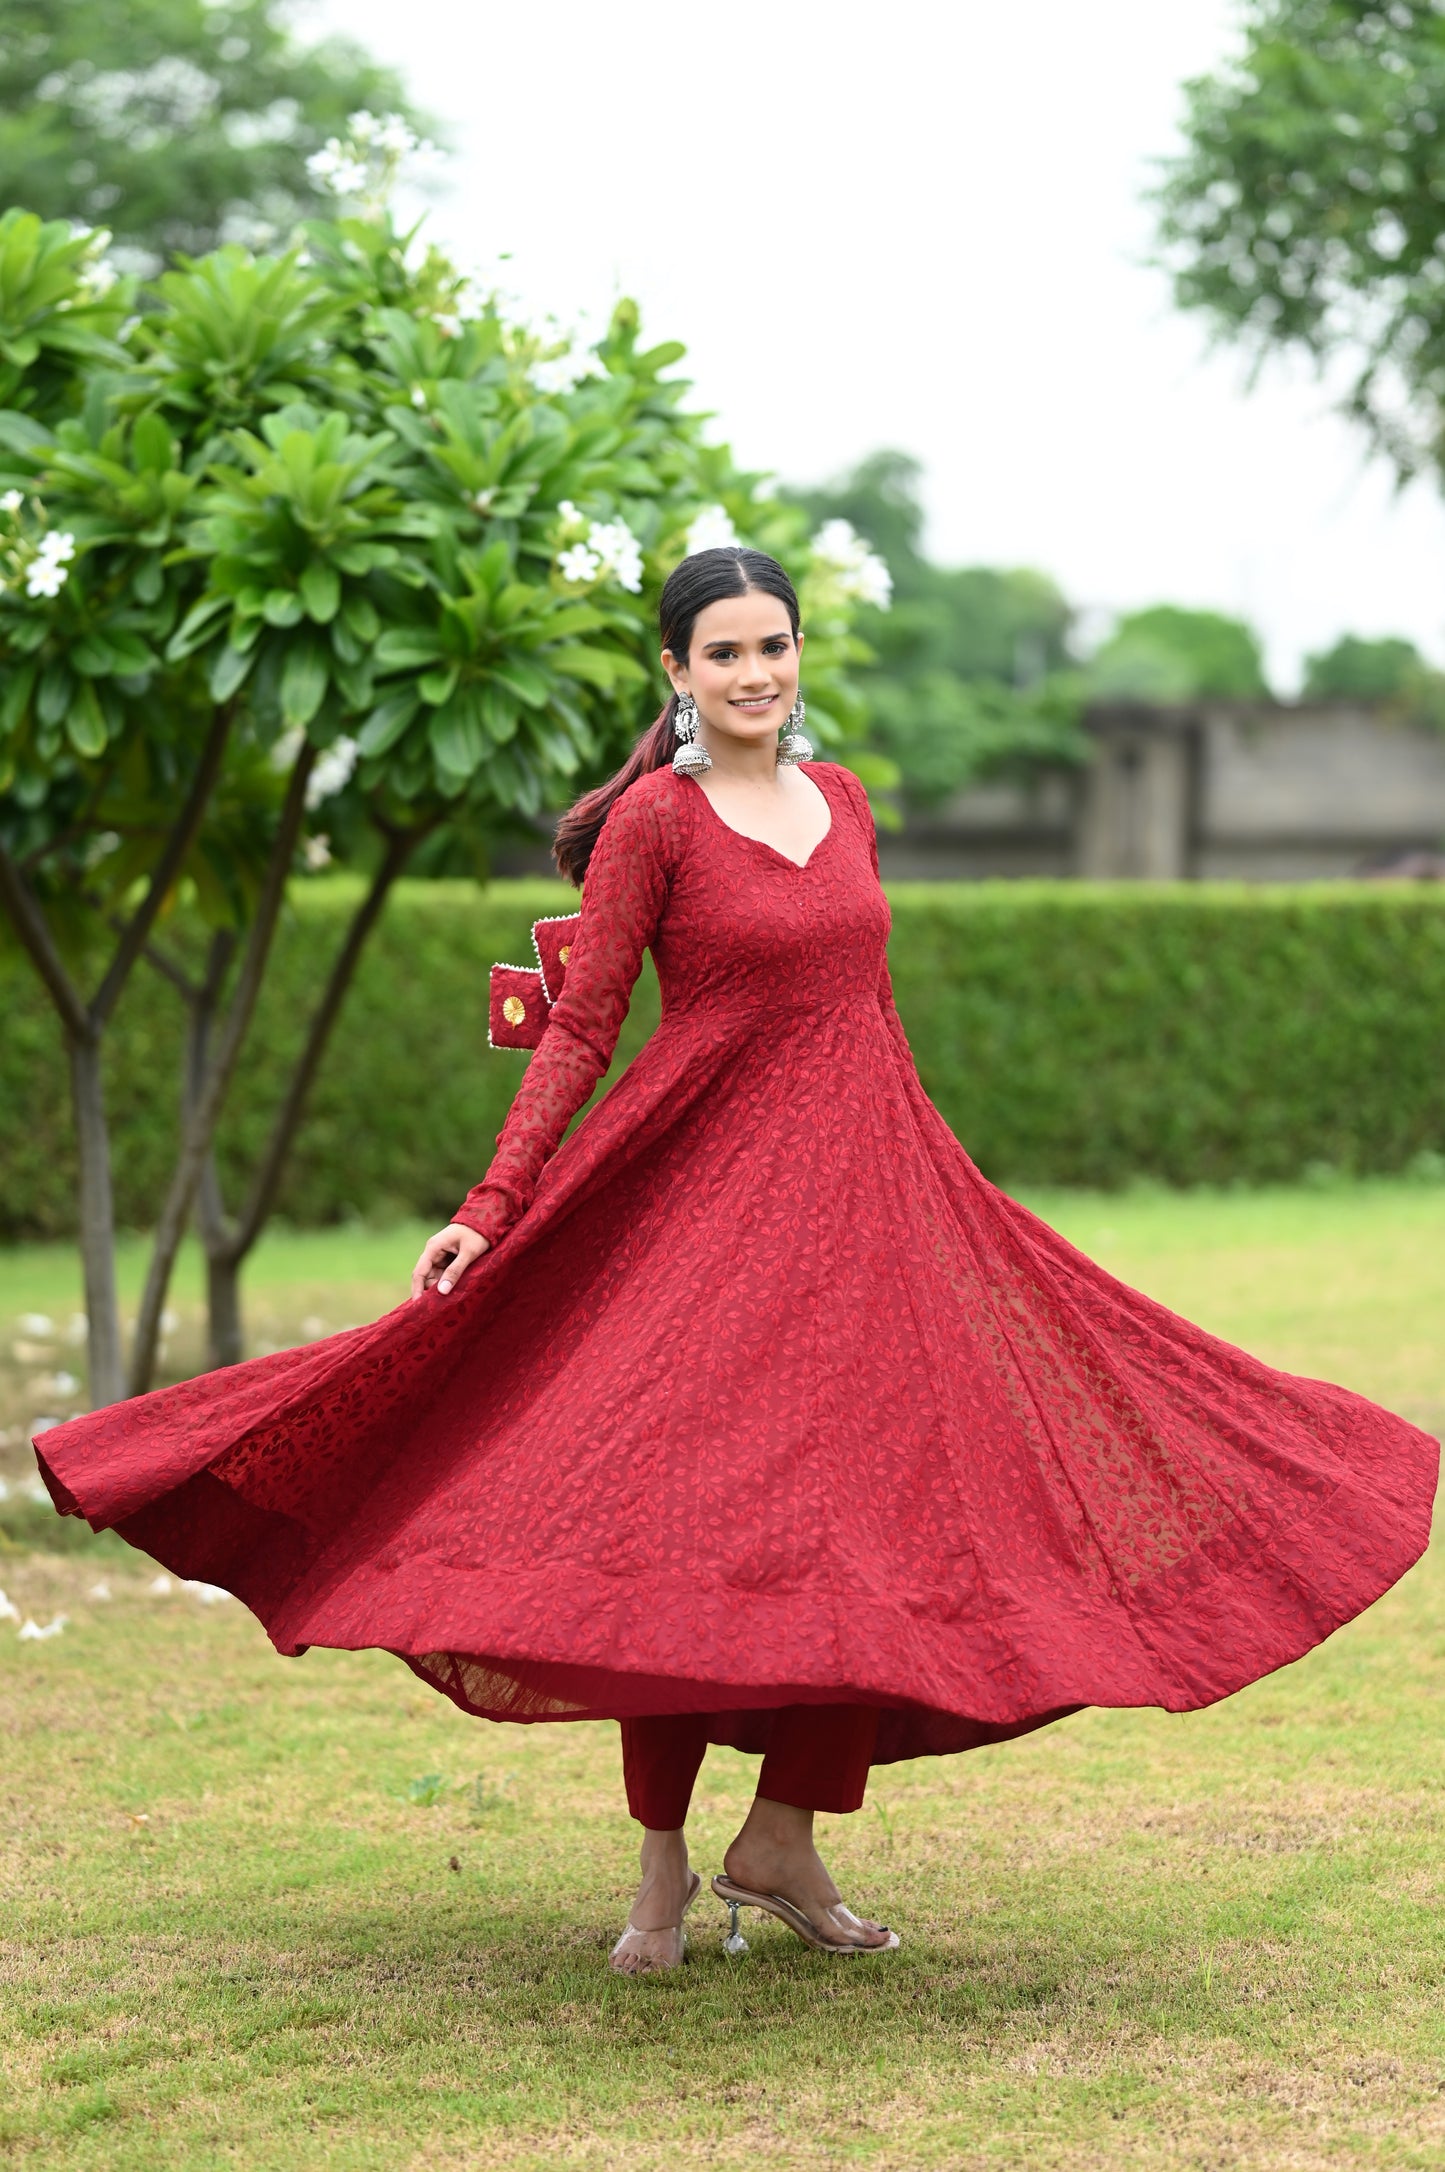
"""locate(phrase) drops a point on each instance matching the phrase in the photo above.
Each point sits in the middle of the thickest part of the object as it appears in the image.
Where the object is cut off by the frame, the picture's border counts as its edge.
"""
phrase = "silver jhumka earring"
(792, 746)
(691, 758)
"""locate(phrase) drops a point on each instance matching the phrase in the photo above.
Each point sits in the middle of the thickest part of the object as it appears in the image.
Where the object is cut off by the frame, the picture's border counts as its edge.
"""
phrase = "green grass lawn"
(268, 1913)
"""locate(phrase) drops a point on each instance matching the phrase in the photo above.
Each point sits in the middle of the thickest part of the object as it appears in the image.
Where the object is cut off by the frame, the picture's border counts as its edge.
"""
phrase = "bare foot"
(774, 1853)
(654, 1936)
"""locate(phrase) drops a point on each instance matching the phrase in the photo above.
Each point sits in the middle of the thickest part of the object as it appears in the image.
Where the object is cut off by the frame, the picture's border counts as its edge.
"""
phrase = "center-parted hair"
(706, 577)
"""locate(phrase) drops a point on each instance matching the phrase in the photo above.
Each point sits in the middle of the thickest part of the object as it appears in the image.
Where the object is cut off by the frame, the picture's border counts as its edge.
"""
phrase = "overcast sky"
(920, 225)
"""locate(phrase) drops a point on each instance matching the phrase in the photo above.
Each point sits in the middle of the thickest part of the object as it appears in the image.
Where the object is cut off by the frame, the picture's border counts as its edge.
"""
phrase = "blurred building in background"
(1252, 791)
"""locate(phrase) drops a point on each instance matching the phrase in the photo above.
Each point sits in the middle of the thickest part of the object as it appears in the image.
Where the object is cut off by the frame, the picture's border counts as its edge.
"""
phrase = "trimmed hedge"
(1070, 1034)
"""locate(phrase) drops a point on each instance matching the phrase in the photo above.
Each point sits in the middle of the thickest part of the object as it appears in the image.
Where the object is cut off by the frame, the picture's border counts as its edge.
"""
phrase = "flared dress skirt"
(763, 1395)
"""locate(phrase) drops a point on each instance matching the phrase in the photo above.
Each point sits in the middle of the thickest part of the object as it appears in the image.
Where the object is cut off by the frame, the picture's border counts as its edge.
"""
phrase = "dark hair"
(706, 577)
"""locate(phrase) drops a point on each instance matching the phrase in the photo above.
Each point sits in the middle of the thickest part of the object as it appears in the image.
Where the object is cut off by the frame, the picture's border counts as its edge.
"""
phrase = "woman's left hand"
(446, 1257)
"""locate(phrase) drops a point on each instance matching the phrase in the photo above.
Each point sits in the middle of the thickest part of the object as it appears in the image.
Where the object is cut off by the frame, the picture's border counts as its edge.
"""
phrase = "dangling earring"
(792, 746)
(691, 758)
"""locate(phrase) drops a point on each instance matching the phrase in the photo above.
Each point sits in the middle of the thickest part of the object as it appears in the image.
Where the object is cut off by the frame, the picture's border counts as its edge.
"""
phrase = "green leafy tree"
(1308, 208)
(969, 671)
(1359, 670)
(1169, 654)
(311, 559)
(176, 123)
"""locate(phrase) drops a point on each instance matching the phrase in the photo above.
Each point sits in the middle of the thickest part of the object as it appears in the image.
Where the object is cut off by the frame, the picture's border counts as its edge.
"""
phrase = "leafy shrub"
(1071, 1034)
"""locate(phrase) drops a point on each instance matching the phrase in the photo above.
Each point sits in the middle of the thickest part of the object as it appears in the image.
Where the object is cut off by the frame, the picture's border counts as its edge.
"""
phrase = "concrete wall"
(1261, 792)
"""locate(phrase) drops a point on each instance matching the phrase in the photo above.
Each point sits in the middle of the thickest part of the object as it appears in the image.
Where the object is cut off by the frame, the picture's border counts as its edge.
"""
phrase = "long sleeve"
(623, 899)
(859, 800)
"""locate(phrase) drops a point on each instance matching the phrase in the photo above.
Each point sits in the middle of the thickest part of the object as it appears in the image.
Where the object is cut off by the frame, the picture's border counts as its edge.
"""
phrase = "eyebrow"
(730, 641)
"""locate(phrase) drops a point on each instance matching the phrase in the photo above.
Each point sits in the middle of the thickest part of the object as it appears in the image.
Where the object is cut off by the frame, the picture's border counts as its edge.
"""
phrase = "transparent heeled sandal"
(847, 1927)
(625, 1960)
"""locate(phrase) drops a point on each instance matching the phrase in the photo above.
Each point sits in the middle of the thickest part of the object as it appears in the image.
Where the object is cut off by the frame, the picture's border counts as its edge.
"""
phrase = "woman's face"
(742, 668)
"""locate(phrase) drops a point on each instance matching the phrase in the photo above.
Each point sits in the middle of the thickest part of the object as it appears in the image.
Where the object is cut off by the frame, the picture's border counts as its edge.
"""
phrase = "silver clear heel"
(734, 1941)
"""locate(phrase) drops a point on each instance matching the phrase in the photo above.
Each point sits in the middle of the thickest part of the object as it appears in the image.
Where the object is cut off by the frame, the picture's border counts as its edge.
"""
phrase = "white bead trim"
(549, 920)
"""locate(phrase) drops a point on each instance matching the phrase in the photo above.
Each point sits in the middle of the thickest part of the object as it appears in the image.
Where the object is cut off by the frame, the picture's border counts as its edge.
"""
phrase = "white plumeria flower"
(30, 1632)
(332, 772)
(361, 125)
(43, 577)
(12, 501)
(9, 1611)
(619, 551)
(394, 137)
(337, 169)
(711, 530)
(858, 571)
(611, 551)
(579, 564)
(560, 373)
(46, 573)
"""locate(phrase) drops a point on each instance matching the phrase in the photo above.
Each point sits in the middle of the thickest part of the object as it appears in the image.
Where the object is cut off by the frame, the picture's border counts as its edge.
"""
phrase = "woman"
(753, 1414)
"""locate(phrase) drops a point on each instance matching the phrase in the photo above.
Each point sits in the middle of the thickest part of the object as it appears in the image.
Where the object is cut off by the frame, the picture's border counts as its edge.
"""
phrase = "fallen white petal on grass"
(159, 1587)
(208, 1594)
(98, 1591)
(9, 1611)
(35, 1323)
(30, 1632)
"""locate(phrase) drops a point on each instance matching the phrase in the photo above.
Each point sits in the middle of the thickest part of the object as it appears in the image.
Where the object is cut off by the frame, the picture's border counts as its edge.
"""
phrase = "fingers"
(469, 1246)
(445, 1258)
(427, 1267)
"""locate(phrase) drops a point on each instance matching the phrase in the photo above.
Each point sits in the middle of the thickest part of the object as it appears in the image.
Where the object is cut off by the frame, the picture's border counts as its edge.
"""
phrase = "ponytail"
(581, 826)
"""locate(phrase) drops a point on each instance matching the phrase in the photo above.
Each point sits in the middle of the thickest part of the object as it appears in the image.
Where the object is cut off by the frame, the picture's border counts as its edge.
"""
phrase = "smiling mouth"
(760, 701)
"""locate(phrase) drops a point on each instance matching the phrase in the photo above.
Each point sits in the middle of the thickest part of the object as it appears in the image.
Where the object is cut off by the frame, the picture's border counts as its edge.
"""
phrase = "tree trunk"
(223, 1297)
(97, 1223)
(229, 1243)
(83, 1025)
(200, 1131)
(216, 1231)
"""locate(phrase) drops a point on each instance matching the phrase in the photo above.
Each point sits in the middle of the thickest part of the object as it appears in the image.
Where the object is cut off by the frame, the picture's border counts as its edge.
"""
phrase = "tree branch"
(205, 1113)
(23, 906)
(400, 844)
(168, 866)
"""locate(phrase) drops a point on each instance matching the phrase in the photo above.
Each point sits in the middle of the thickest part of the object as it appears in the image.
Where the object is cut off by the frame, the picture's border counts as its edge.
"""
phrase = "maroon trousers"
(817, 1759)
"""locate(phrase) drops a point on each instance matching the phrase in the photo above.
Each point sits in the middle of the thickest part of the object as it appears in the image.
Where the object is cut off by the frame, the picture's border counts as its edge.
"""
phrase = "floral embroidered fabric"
(763, 1394)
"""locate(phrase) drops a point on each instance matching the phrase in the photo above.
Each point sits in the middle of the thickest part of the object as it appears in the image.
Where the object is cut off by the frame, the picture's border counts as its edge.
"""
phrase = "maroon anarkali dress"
(764, 1396)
